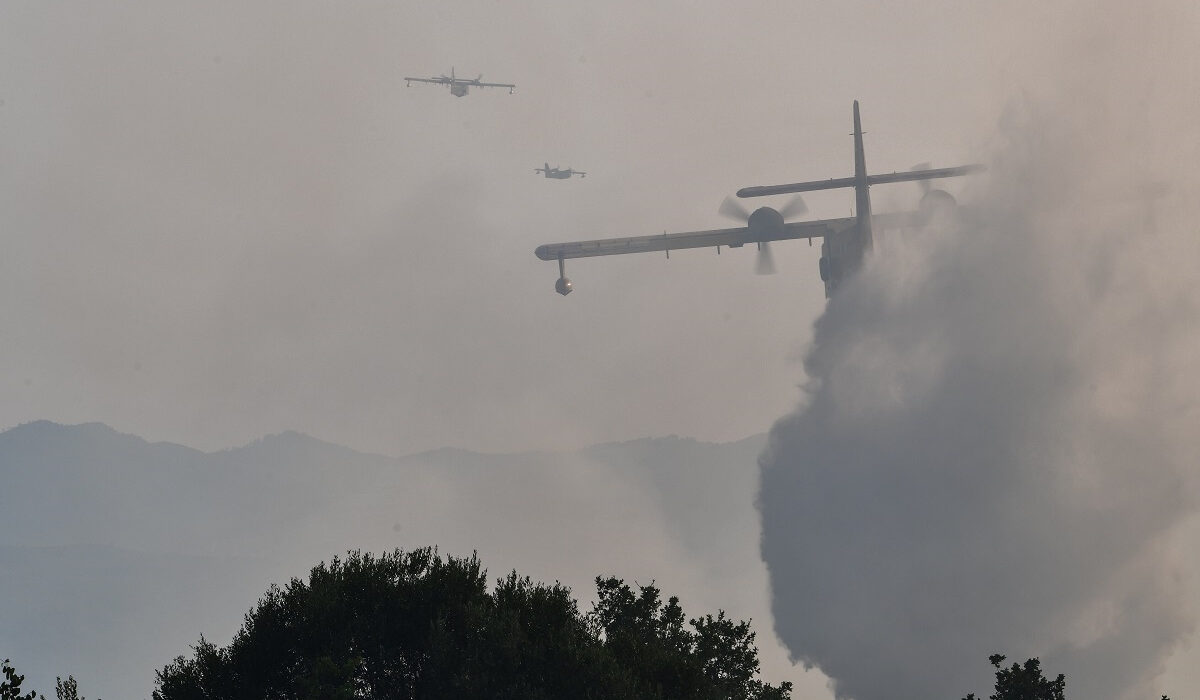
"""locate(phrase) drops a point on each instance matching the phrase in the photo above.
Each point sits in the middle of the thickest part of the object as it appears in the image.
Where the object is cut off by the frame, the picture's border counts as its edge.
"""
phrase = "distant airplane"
(459, 87)
(846, 241)
(556, 174)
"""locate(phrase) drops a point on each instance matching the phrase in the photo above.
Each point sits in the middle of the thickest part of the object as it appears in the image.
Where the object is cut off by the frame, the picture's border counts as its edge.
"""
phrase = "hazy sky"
(222, 220)
(225, 220)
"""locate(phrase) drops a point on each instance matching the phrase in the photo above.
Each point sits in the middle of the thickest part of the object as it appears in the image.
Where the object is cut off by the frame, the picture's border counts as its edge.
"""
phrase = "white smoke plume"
(999, 433)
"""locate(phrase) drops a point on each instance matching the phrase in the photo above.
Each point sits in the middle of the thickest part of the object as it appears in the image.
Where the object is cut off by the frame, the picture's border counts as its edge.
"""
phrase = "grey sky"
(221, 220)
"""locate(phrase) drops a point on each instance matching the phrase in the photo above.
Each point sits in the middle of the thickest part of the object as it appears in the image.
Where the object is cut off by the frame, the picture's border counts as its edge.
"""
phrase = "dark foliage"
(716, 658)
(1025, 682)
(10, 687)
(412, 625)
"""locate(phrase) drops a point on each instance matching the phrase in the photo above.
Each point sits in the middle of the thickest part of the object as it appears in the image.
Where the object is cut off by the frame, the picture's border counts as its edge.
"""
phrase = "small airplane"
(556, 174)
(845, 241)
(459, 87)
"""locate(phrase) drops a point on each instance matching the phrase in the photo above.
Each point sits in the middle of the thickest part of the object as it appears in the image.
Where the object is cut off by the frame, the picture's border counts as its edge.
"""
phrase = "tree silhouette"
(1025, 682)
(715, 658)
(415, 625)
(10, 686)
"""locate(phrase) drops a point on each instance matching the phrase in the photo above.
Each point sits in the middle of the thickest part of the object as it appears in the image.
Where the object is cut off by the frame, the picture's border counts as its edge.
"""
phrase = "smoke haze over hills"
(117, 554)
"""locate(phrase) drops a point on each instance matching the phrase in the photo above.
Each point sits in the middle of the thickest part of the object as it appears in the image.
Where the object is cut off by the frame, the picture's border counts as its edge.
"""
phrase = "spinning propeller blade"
(794, 207)
(733, 209)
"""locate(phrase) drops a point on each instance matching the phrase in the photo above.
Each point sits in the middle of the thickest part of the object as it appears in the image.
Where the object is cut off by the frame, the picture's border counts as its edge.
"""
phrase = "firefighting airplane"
(459, 87)
(556, 174)
(846, 241)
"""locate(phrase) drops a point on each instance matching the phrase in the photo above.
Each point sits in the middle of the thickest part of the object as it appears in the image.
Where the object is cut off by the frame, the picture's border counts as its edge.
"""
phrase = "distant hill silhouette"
(117, 553)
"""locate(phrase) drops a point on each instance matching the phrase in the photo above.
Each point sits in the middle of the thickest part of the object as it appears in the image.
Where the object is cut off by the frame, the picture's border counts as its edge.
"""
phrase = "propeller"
(794, 207)
(934, 202)
(733, 209)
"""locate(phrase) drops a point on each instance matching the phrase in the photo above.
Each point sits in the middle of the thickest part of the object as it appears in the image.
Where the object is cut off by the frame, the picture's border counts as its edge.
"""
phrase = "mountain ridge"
(119, 553)
(292, 438)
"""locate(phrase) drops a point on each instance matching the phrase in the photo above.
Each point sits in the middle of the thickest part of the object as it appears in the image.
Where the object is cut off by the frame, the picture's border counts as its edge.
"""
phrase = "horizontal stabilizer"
(840, 182)
(934, 174)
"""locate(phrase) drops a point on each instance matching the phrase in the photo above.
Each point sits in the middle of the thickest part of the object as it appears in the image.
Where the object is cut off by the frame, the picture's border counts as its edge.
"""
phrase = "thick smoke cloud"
(999, 435)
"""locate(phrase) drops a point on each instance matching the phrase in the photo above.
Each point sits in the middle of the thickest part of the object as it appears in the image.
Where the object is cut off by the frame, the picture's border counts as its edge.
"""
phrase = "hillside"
(118, 553)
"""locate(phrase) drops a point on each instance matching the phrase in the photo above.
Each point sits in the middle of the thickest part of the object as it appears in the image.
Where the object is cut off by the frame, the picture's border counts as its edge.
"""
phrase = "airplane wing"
(439, 81)
(838, 182)
(507, 85)
(733, 237)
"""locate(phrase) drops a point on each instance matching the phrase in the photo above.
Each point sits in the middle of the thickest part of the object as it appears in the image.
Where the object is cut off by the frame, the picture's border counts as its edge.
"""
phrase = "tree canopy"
(416, 625)
(10, 686)
(1025, 682)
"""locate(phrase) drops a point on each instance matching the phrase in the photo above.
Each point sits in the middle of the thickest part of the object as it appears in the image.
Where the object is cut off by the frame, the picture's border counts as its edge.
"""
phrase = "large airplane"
(845, 241)
(459, 87)
(556, 174)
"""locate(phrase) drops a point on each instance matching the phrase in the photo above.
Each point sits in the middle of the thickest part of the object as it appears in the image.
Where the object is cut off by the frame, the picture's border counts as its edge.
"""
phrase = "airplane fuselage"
(557, 174)
(459, 87)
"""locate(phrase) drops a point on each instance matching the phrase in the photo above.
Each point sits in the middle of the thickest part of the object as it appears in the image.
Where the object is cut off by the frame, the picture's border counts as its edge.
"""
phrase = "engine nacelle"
(937, 204)
(563, 286)
(764, 224)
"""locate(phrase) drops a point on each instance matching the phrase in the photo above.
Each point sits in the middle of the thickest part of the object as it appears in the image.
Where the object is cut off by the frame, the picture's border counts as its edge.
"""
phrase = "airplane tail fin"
(860, 161)
(860, 180)
(862, 193)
